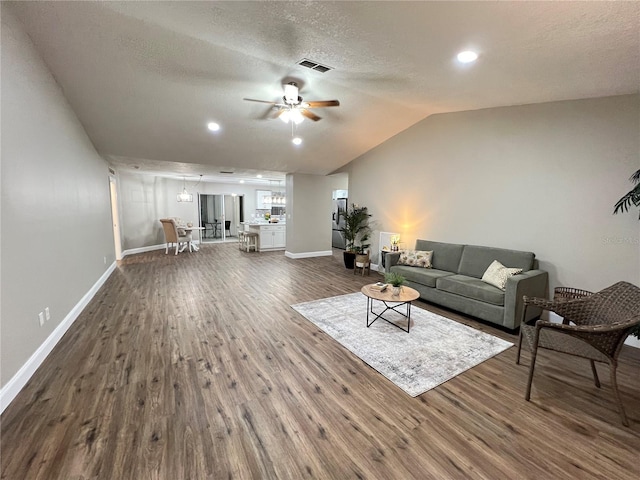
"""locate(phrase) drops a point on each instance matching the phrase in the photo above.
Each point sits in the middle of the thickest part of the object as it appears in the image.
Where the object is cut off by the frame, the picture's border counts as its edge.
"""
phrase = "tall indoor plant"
(633, 196)
(623, 205)
(356, 232)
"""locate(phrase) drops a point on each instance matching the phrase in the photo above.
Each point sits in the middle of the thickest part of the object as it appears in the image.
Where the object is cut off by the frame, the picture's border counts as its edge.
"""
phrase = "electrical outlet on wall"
(47, 314)
(41, 318)
(105, 260)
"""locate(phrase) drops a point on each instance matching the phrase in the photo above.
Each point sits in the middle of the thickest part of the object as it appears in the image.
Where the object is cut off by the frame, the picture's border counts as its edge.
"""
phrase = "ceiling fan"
(293, 108)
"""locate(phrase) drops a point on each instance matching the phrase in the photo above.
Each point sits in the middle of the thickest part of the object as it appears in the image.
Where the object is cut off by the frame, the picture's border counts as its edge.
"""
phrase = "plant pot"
(395, 291)
(349, 259)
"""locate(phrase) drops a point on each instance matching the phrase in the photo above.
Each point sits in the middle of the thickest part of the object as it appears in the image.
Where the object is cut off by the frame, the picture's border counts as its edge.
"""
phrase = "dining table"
(189, 229)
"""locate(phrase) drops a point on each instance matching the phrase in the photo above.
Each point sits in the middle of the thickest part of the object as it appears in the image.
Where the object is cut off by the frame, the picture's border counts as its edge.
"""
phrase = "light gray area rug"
(436, 349)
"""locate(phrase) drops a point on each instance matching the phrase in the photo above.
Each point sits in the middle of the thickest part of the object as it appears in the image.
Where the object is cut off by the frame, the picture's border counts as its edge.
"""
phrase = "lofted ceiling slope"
(145, 78)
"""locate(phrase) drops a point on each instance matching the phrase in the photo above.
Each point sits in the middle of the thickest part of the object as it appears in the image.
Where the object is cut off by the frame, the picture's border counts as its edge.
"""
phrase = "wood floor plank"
(196, 367)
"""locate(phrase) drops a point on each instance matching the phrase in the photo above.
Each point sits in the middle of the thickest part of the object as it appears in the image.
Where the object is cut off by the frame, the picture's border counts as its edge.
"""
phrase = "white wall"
(309, 206)
(144, 199)
(56, 220)
(542, 178)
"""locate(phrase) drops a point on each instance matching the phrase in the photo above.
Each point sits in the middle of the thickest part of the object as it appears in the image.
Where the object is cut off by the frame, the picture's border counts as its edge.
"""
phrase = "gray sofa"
(455, 280)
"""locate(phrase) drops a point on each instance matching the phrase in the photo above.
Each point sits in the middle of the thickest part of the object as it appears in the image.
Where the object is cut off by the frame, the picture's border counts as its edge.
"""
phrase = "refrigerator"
(339, 205)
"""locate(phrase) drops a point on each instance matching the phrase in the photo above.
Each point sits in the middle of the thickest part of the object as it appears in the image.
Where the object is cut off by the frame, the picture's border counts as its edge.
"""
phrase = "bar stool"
(241, 239)
(251, 241)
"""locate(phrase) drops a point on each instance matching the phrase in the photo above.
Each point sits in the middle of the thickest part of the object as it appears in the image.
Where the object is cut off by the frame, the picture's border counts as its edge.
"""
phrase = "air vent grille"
(318, 67)
(227, 172)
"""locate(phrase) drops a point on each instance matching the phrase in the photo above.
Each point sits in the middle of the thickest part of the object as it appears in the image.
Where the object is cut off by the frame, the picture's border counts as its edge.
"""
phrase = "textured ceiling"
(144, 78)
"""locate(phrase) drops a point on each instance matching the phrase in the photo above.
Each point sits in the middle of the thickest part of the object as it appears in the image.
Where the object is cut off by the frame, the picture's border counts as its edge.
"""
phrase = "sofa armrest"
(533, 283)
(390, 259)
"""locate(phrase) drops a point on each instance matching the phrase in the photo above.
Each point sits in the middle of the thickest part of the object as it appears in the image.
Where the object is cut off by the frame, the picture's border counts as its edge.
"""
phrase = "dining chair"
(594, 327)
(172, 237)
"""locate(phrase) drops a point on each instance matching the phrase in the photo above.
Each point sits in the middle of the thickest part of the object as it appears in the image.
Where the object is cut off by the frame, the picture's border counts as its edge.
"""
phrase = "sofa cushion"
(415, 258)
(446, 256)
(423, 276)
(497, 274)
(475, 260)
(471, 287)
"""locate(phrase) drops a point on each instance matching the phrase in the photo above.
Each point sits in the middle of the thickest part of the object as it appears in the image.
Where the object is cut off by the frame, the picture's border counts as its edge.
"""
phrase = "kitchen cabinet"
(272, 237)
(262, 199)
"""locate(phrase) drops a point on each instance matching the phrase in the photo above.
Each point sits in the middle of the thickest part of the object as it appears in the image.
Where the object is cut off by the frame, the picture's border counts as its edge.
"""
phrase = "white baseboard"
(322, 253)
(150, 248)
(20, 379)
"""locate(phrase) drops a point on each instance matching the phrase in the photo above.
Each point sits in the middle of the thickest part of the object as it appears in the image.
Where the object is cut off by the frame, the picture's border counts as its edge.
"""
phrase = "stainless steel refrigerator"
(339, 205)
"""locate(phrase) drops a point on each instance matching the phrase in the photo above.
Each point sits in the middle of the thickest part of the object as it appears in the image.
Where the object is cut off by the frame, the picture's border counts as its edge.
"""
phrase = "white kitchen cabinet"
(272, 237)
(261, 199)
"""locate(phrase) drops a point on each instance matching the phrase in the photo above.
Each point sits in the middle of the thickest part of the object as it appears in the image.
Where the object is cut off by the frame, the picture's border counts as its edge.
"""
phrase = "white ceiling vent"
(318, 67)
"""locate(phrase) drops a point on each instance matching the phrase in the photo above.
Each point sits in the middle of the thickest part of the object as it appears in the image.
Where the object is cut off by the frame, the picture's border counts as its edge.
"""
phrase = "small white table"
(189, 230)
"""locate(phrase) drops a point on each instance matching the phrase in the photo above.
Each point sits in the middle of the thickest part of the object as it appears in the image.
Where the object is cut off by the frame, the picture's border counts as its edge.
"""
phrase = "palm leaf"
(632, 197)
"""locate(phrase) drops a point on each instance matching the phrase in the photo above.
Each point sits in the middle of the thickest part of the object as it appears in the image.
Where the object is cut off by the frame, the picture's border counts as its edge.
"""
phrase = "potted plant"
(623, 205)
(633, 196)
(356, 232)
(396, 281)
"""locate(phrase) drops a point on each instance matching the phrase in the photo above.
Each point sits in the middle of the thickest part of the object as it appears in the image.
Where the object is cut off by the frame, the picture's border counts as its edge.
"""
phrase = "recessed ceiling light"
(467, 56)
(296, 141)
(213, 126)
(241, 181)
(259, 176)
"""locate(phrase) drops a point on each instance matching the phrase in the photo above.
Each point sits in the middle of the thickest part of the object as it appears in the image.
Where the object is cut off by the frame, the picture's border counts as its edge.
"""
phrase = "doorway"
(221, 216)
(115, 219)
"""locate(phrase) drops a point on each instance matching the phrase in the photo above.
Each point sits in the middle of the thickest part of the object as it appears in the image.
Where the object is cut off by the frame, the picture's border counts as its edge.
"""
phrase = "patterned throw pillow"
(415, 258)
(497, 274)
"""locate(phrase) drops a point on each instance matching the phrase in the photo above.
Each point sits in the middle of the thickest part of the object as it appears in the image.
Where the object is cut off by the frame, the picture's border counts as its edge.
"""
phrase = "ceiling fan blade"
(323, 103)
(277, 113)
(309, 115)
(259, 101)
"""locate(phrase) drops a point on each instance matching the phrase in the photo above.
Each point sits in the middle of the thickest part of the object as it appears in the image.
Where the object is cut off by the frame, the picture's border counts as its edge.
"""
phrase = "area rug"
(436, 349)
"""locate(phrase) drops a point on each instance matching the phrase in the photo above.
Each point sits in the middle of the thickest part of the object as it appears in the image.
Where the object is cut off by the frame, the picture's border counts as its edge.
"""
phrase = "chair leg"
(519, 347)
(534, 354)
(166, 248)
(177, 246)
(616, 393)
(595, 374)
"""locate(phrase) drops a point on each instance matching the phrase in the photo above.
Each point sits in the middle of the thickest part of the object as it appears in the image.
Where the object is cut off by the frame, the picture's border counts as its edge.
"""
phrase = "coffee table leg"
(370, 309)
(387, 307)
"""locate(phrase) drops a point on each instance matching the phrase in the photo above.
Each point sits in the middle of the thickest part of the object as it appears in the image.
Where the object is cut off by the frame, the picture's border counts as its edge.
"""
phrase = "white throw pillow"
(497, 274)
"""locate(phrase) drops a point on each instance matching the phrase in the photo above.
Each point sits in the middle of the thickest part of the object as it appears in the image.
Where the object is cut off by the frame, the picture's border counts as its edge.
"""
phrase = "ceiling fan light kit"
(293, 109)
(291, 94)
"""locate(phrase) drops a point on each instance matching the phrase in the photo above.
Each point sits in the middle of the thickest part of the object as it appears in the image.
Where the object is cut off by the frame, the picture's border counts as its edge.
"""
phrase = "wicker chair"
(595, 326)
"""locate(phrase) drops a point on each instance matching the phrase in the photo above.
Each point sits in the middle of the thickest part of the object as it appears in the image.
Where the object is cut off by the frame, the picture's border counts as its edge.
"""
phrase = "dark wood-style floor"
(196, 367)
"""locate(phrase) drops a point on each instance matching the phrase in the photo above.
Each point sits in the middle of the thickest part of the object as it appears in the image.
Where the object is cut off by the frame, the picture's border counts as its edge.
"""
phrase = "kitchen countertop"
(258, 224)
